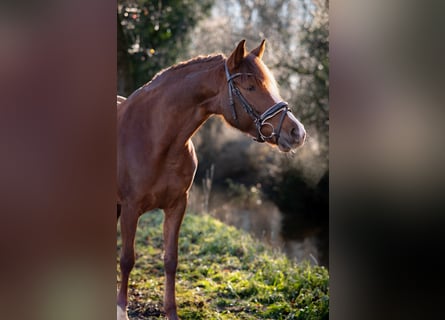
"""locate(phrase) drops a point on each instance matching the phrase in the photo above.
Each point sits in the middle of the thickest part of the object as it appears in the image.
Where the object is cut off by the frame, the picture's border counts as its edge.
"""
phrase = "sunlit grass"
(223, 274)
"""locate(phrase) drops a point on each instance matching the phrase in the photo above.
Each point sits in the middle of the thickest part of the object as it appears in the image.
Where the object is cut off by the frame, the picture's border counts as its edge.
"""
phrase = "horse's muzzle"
(299, 135)
(292, 138)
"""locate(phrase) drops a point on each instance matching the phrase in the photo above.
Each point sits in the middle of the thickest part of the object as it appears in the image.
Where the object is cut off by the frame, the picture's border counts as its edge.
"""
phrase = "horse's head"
(254, 103)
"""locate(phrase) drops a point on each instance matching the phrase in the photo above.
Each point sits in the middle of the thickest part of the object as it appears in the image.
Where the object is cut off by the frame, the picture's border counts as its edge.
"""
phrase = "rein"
(258, 119)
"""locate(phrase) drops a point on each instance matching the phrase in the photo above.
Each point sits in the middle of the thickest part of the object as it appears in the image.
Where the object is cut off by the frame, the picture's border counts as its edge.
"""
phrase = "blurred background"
(281, 199)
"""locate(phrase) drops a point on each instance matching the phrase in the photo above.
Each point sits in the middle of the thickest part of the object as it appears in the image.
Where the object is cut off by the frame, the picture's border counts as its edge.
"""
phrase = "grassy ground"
(223, 274)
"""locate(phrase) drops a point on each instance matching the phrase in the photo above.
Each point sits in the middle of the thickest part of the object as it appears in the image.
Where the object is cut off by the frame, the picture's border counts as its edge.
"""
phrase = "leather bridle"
(260, 120)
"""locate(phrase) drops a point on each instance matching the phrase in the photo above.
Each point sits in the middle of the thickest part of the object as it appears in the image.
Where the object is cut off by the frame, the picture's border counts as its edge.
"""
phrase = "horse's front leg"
(129, 219)
(172, 222)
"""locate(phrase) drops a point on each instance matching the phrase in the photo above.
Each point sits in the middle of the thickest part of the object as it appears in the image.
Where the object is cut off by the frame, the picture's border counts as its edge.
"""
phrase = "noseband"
(260, 120)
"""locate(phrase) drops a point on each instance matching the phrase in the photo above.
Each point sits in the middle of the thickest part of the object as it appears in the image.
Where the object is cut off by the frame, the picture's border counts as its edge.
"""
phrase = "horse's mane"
(199, 59)
(190, 62)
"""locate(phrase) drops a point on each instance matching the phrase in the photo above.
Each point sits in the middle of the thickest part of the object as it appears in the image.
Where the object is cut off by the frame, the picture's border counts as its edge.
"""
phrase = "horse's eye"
(251, 88)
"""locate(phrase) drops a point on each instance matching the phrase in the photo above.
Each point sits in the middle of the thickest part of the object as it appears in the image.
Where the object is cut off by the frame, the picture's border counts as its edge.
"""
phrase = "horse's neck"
(172, 107)
(194, 96)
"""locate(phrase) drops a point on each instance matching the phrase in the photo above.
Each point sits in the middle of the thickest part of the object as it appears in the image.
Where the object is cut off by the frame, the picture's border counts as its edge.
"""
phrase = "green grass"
(223, 274)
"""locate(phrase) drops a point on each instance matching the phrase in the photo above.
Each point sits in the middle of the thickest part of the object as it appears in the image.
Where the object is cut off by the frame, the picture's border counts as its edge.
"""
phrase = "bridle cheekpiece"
(260, 120)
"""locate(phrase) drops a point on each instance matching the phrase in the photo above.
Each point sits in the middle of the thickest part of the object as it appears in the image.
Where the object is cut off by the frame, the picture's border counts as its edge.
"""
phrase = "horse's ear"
(237, 55)
(260, 50)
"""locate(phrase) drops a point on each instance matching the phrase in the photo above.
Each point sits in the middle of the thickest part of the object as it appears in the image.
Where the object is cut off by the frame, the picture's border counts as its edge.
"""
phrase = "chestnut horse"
(156, 157)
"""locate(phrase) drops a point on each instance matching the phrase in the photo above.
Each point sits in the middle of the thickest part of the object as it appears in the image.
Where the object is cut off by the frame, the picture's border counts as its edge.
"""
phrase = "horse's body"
(156, 158)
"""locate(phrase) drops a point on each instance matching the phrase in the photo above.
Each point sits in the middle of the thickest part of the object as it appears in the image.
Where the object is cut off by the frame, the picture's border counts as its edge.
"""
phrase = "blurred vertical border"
(58, 159)
(386, 159)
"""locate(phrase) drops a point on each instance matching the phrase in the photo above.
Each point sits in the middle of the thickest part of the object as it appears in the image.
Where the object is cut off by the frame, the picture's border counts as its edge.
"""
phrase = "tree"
(152, 35)
(313, 68)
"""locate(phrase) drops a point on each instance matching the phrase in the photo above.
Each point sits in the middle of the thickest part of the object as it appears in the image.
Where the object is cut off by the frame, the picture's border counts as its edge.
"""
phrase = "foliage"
(224, 275)
(152, 34)
(313, 67)
(242, 195)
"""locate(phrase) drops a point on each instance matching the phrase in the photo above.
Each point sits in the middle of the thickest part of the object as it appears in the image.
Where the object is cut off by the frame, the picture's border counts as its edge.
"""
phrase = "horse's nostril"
(294, 133)
(298, 135)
